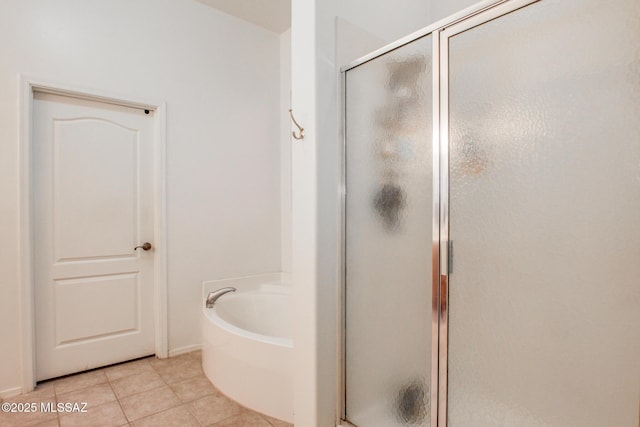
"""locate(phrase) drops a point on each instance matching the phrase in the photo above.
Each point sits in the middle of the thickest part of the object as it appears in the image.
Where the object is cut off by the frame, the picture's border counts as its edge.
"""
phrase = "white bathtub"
(247, 348)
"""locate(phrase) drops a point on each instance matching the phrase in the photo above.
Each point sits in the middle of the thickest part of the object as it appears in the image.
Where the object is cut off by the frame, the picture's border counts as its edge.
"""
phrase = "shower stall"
(492, 221)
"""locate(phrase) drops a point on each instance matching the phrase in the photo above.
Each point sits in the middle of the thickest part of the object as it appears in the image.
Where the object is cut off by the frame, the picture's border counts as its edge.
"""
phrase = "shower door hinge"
(450, 263)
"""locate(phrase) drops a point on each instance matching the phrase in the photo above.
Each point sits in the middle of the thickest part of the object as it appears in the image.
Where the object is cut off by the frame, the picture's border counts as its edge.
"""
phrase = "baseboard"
(11, 392)
(185, 349)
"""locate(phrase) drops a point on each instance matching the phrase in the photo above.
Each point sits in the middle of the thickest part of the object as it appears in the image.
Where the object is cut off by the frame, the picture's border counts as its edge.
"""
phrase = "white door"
(93, 203)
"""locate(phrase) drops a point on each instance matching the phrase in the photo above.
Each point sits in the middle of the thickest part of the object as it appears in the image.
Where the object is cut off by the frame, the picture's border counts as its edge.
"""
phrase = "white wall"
(303, 193)
(220, 78)
(285, 150)
(442, 8)
(316, 180)
(353, 42)
(372, 26)
(387, 20)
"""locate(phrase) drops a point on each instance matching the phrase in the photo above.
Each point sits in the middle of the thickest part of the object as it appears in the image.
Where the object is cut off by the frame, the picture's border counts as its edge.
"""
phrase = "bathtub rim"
(212, 316)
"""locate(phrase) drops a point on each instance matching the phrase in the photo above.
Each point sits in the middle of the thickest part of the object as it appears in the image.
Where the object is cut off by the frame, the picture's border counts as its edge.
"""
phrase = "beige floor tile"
(137, 383)
(157, 363)
(175, 417)
(24, 419)
(79, 381)
(106, 415)
(193, 388)
(51, 423)
(215, 408)
(277, 423)
(188, 400)
(245, 419)
(184, 369)
(195, 355)
(148, 403)
(124, 370)
(43, 390)
(40, 394)
(94, 395)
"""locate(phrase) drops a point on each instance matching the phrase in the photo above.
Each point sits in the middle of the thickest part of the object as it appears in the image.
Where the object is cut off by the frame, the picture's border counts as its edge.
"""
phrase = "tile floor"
(145, 392)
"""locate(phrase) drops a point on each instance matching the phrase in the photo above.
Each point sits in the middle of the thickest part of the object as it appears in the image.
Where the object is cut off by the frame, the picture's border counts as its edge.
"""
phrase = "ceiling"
(274, 15)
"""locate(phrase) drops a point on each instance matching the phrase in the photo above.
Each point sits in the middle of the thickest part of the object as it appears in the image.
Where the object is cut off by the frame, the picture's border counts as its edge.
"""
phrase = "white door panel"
(94, 149)
(113, 312)
(93, 199)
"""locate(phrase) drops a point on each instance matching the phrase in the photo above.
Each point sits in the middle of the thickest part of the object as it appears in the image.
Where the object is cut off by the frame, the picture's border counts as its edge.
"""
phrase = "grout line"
(135, 394)
(117, 399)
(219, 421)
(55, 399)
(268, 422)
(192, 414)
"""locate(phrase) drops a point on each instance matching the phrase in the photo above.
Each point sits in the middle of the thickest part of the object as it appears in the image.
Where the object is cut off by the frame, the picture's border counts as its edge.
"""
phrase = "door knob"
(145, 246)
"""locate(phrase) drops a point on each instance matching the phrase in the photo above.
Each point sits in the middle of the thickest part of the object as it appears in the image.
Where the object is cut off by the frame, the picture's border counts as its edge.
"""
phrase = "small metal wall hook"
(301, 136)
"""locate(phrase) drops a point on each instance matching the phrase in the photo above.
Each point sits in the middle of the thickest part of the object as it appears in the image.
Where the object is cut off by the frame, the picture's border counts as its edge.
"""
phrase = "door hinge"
(450, 263)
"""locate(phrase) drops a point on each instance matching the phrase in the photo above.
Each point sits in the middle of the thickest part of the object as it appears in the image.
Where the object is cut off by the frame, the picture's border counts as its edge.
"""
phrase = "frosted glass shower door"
(389, 223)
(544, 294)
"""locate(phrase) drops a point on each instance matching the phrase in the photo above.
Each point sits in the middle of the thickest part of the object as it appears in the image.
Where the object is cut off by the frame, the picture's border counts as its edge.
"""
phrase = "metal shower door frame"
(441, 32)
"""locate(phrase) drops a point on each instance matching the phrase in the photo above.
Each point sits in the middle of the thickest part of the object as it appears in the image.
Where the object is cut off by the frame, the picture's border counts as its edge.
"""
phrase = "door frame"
(29, 85)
